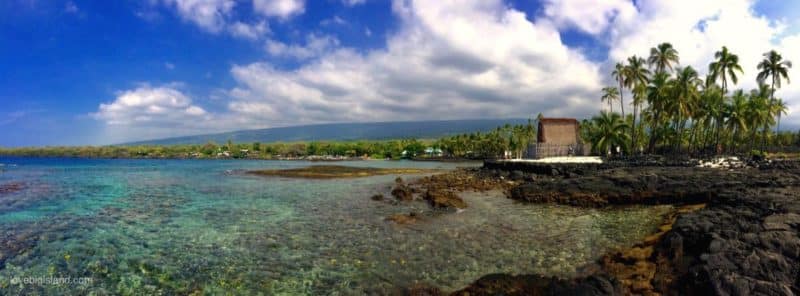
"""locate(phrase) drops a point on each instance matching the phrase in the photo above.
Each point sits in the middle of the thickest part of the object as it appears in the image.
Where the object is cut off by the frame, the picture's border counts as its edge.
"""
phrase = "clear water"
(190, 226)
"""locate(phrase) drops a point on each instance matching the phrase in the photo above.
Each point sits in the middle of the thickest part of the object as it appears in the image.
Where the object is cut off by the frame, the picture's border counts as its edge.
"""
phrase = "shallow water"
(184, 226)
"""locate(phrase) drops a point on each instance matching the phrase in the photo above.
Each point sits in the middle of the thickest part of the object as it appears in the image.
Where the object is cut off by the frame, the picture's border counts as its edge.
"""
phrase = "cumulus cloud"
(207, 14)
(439, 65)
(279, 8)
(147, 106)
(591, 16)
(699, 32)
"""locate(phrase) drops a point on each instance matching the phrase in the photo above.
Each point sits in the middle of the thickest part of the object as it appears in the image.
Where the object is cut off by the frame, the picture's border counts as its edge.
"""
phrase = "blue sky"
(101, 72)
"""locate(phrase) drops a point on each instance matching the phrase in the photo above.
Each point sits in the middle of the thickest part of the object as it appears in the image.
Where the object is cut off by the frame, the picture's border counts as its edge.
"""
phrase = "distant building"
(430, 151)
(557, 137)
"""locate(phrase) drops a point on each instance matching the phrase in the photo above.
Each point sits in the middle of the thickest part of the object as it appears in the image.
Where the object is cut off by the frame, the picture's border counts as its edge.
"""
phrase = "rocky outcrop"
(503, 284)
(401, 191)
(444, 199)
(635, 267)
(649, 186)
(745, 241)
(466, 180)
(441, 190)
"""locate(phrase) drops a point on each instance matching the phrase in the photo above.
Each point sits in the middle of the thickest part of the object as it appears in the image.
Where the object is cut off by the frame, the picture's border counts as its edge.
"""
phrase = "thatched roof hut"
(559, 131)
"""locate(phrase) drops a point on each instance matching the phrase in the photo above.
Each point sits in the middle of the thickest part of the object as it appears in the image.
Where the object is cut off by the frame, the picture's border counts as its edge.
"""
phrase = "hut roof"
(558, 120)
(559, 131)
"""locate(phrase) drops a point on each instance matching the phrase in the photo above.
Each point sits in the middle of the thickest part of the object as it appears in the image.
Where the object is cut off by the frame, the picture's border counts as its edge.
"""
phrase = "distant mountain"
(345, 131)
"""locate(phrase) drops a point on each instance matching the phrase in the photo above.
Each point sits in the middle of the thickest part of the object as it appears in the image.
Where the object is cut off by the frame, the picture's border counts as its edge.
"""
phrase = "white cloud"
(440, 64)
(207, 14)
(591, 16)
(353, 2)
(315, 46)
(148, 106)
(699, 32)
(169, 66)
(279, 8)
(249, 31)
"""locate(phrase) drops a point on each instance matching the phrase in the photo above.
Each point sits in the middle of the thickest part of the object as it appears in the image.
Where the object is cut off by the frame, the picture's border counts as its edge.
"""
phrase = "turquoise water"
(201, 227)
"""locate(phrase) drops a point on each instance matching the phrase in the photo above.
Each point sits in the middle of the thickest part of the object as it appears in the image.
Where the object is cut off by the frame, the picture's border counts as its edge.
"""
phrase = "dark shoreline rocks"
(745, 240)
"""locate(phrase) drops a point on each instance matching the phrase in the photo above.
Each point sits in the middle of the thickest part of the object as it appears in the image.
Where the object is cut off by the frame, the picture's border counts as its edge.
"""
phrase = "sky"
(79, 72)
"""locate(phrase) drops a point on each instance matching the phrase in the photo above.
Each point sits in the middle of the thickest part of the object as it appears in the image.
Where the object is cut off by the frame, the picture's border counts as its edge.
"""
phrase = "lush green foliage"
(676, 110)
(476, 145)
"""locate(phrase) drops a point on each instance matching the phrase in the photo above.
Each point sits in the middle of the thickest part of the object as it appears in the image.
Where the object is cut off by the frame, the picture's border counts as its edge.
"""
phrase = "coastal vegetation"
(675, 110)
(478, 145)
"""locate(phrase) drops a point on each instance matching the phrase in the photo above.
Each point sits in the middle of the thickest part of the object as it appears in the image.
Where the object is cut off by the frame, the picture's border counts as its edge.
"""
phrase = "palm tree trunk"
(633, 129)
(721, 105)
(654, 134)
(769, 109)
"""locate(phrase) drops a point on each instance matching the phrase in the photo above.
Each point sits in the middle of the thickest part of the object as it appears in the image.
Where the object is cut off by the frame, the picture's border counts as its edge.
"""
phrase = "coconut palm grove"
(674, 110)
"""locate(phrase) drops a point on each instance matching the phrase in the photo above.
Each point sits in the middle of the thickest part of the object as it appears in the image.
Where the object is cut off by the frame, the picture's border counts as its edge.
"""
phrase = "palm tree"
(684, 100)
(725, 66)
(736, 112)
(773, 66)
(619, 74)
(662, 57)
(639, 96)
(758, 113)
(711, 104)
(636, 75)
(780, 108)
(658, 92)
(610, 94)
(607, 130)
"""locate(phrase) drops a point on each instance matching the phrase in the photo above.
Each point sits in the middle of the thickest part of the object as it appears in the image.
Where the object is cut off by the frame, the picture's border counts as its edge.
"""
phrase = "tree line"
(675, 110)
(478, 145)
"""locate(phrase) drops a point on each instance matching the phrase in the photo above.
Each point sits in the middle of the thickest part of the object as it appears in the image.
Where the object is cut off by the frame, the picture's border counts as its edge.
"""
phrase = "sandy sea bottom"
(178, 227)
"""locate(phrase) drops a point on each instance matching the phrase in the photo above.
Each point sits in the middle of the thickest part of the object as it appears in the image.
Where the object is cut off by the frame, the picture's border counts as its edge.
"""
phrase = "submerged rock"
(444, 199)
(336, 171)
(377, 197)
(409, 218)
(421, 290)
(12, 187)
(503, 284)
(402, 192)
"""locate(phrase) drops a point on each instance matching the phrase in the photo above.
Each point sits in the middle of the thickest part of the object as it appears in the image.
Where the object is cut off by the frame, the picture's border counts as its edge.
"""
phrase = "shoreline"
(733, 231)
(457, 160)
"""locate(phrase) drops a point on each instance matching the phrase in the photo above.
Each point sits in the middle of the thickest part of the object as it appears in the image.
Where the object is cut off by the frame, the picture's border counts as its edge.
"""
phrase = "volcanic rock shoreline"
(734, 232)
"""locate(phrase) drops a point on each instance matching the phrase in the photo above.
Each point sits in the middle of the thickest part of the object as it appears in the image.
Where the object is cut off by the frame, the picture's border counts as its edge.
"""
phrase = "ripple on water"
(186, 227)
